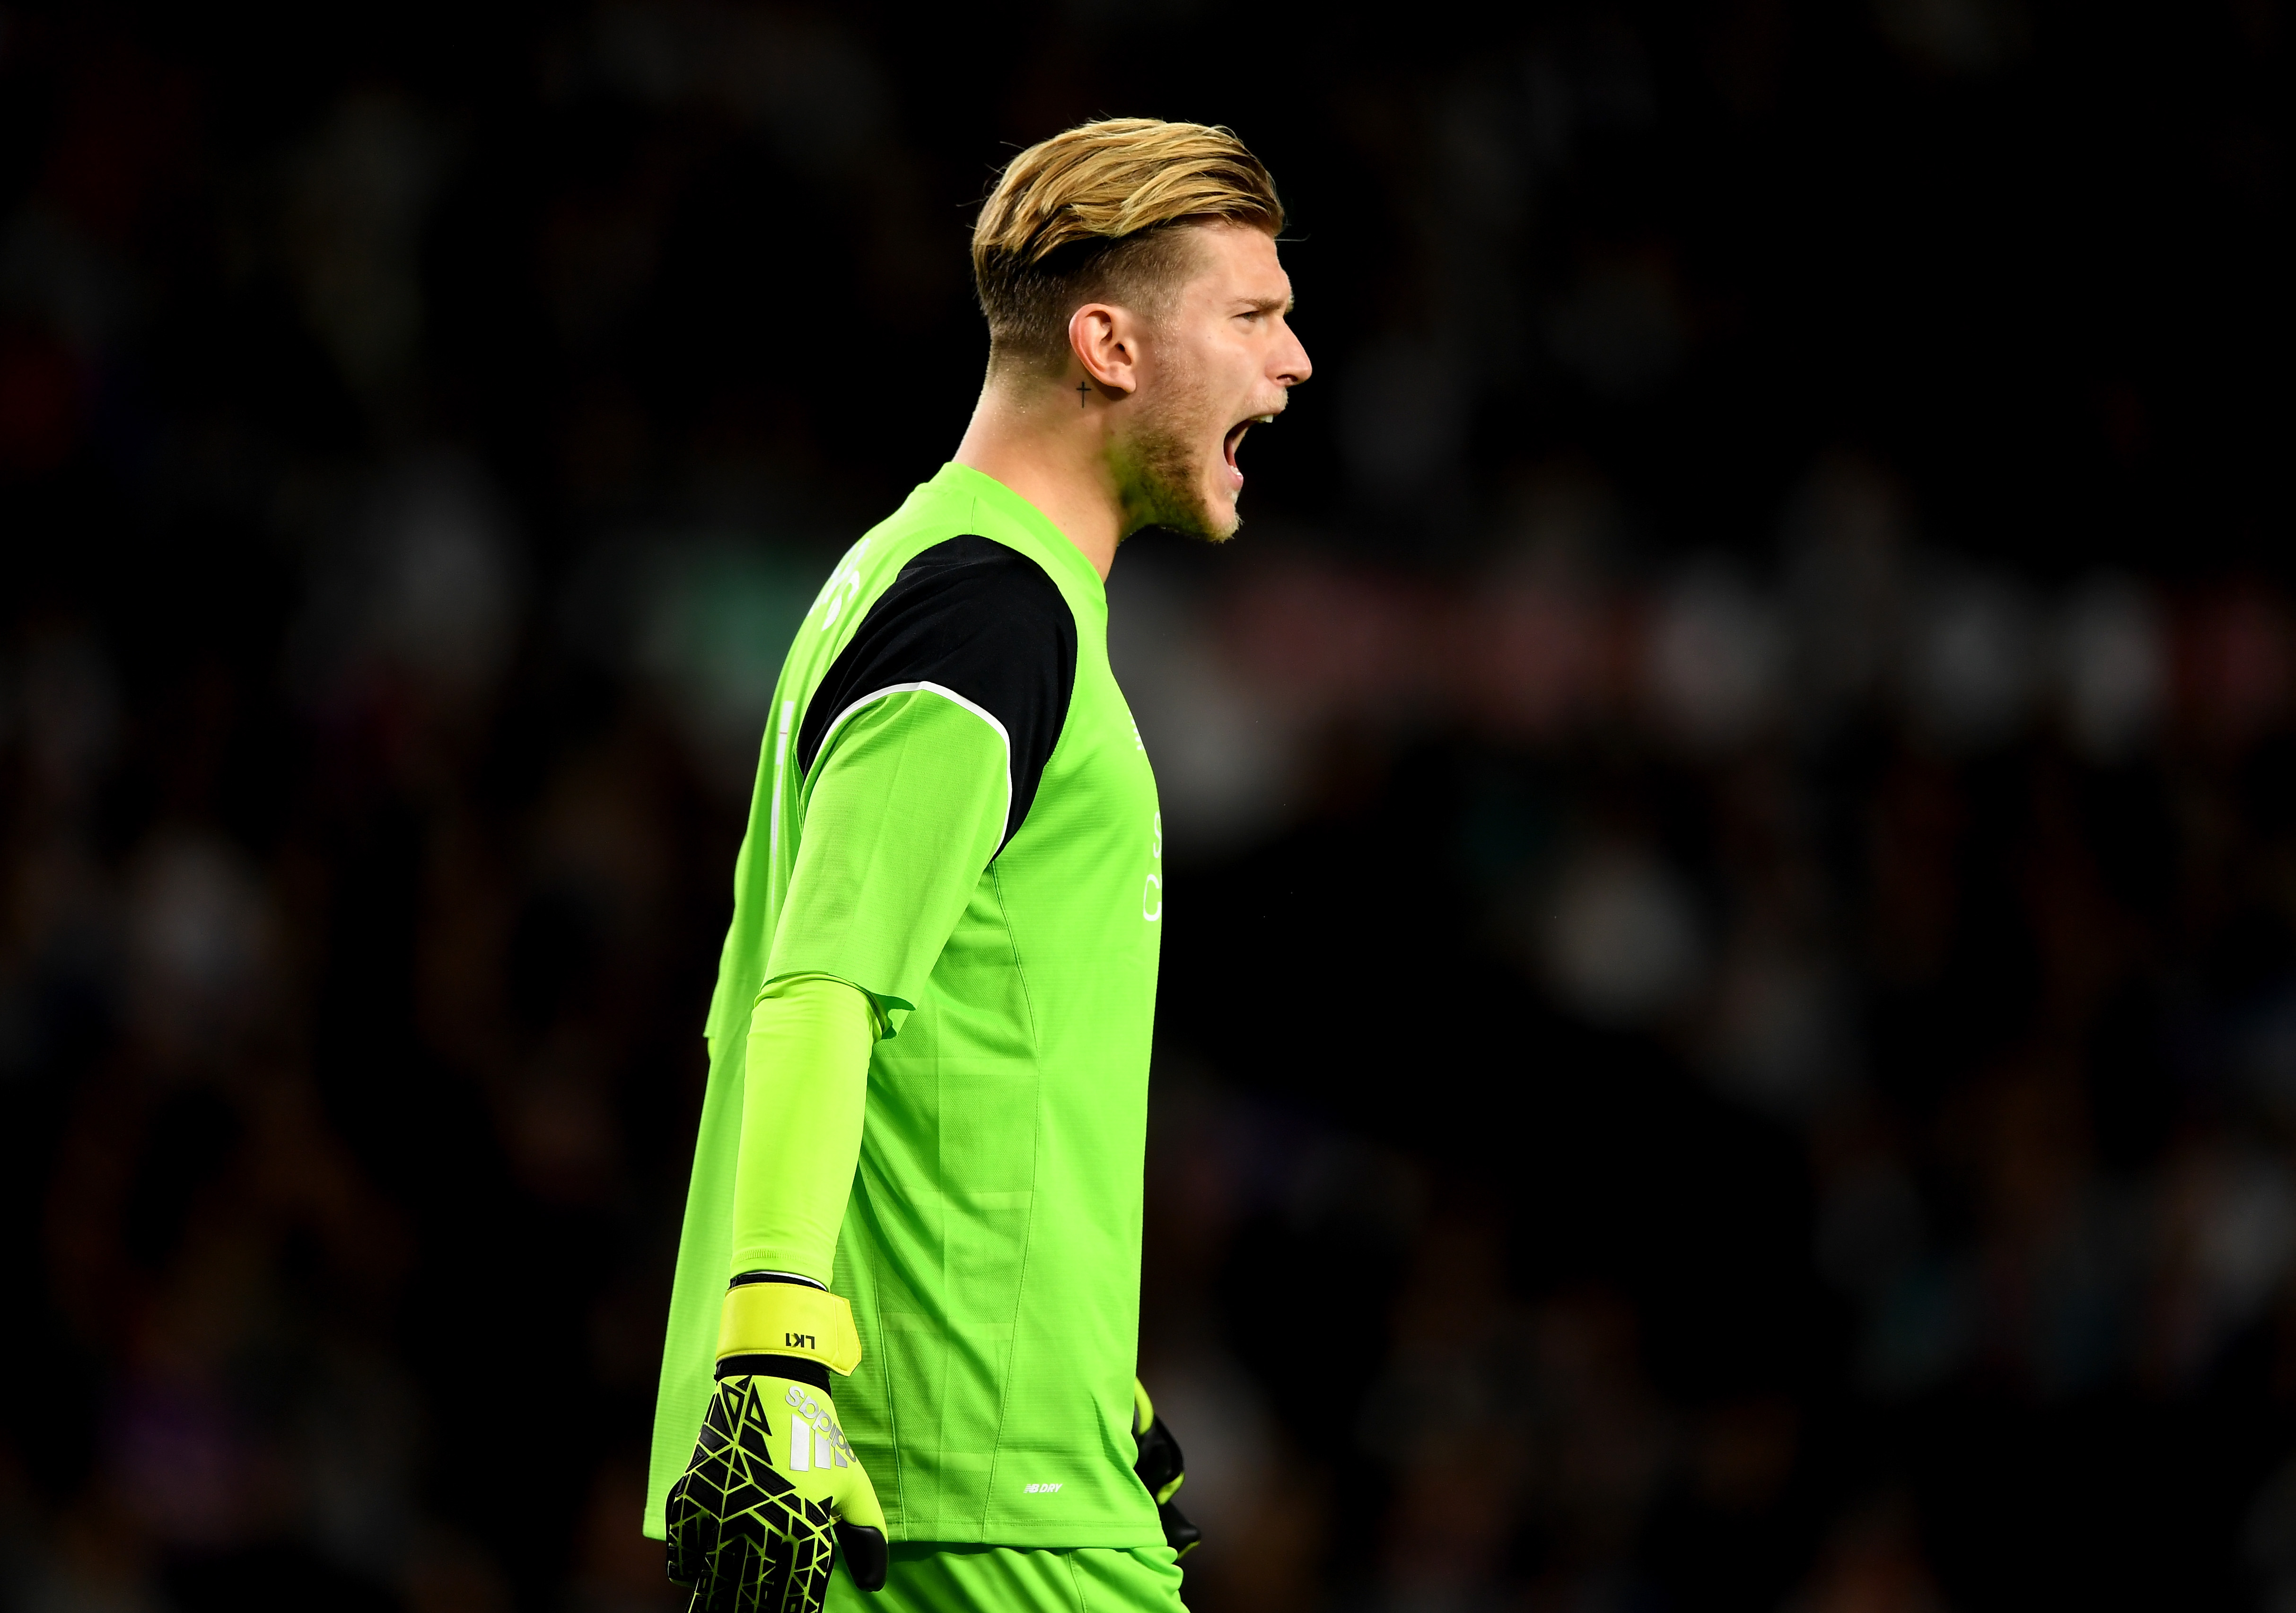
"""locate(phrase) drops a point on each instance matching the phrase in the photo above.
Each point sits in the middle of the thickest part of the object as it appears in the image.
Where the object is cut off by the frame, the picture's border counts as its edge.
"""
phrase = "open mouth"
(1234, 441)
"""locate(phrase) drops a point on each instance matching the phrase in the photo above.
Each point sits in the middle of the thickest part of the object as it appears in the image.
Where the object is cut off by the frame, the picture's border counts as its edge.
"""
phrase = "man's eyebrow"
(1268, 305)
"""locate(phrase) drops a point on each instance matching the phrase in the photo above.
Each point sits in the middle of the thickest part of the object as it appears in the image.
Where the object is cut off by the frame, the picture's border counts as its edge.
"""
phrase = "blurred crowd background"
(1728, 1036)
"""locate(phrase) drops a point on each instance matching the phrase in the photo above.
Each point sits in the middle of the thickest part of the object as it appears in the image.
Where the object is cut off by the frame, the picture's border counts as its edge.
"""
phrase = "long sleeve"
(803, 1094)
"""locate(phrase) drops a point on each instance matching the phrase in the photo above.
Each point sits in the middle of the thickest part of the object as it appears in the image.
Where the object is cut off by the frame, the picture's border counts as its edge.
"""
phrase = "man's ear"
(1105, 340)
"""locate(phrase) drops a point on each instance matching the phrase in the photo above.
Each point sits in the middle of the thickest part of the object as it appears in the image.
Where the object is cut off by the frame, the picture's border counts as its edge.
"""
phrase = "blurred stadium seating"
(1733, 809)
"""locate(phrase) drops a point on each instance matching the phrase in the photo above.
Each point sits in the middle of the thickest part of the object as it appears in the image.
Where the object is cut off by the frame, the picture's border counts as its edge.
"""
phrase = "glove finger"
(689, 1563)
(860, 1527)
(854, 1499)
(1159, 1463)
(864, 1554)
(1179, 1533)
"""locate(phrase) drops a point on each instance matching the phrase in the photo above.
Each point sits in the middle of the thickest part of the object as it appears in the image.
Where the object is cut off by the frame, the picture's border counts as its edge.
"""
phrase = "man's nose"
(1293, 367)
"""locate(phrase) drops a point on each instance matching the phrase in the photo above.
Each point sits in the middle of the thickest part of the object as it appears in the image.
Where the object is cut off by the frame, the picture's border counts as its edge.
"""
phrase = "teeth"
(1264, 420)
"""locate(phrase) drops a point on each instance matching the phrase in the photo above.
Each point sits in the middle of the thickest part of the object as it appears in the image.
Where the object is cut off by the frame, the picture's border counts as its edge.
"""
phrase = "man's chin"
(1198, 511)
(1214, 521)
(1203, 528)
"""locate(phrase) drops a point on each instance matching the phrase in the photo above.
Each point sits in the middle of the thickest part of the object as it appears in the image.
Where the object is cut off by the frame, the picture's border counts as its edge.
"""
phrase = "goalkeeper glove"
(774, 1491)
(1163, 1468)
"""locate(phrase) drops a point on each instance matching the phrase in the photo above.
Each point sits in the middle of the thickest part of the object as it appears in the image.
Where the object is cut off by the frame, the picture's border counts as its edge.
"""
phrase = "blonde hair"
(1093, 213)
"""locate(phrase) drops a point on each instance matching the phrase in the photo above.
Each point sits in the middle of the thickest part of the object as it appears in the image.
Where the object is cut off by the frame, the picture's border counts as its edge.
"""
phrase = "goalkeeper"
(907, 1312)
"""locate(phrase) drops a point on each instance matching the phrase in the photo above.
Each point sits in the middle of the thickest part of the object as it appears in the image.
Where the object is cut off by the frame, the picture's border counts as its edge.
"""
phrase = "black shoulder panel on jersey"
(980, 621)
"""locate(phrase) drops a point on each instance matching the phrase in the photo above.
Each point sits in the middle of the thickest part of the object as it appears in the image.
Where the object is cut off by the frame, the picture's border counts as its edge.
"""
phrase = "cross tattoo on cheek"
(1084, 393)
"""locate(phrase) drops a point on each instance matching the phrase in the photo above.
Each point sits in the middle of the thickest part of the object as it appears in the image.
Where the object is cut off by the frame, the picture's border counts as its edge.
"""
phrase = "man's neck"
(1055, 458)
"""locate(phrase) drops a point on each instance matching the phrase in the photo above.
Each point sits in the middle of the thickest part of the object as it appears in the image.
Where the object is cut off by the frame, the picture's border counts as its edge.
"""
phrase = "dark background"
(1729, 1035)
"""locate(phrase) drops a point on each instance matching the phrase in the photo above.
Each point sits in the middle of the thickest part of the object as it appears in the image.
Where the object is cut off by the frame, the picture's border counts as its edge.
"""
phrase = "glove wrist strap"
(789, 1319)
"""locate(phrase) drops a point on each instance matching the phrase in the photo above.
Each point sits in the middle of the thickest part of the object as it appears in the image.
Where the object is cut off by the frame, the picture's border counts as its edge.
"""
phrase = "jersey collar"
(1059, 551)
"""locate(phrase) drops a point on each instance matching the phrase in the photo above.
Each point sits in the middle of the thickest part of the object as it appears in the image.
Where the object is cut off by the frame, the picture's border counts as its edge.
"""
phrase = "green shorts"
(927, 1579)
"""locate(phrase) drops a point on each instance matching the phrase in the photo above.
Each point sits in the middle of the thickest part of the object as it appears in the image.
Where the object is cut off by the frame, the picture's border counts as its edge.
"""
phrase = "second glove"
(1163, 1468)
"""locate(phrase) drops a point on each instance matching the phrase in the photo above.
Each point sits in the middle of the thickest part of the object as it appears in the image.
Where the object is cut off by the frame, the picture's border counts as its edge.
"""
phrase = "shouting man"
(920, 1159)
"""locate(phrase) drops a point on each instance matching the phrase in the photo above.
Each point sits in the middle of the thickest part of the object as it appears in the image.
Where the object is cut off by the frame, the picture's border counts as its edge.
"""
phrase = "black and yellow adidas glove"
(774, 1494)
(1163, 1468)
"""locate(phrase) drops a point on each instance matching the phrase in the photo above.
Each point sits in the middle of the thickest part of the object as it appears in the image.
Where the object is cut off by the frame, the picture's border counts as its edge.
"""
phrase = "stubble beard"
(1164, 472)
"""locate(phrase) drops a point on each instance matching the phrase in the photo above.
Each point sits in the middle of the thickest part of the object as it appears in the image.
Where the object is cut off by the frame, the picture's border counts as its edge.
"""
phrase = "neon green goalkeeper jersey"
(988, 871)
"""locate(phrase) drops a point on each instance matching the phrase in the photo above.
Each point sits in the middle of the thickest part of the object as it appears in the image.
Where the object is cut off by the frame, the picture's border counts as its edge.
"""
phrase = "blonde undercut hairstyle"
(1096, 213)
